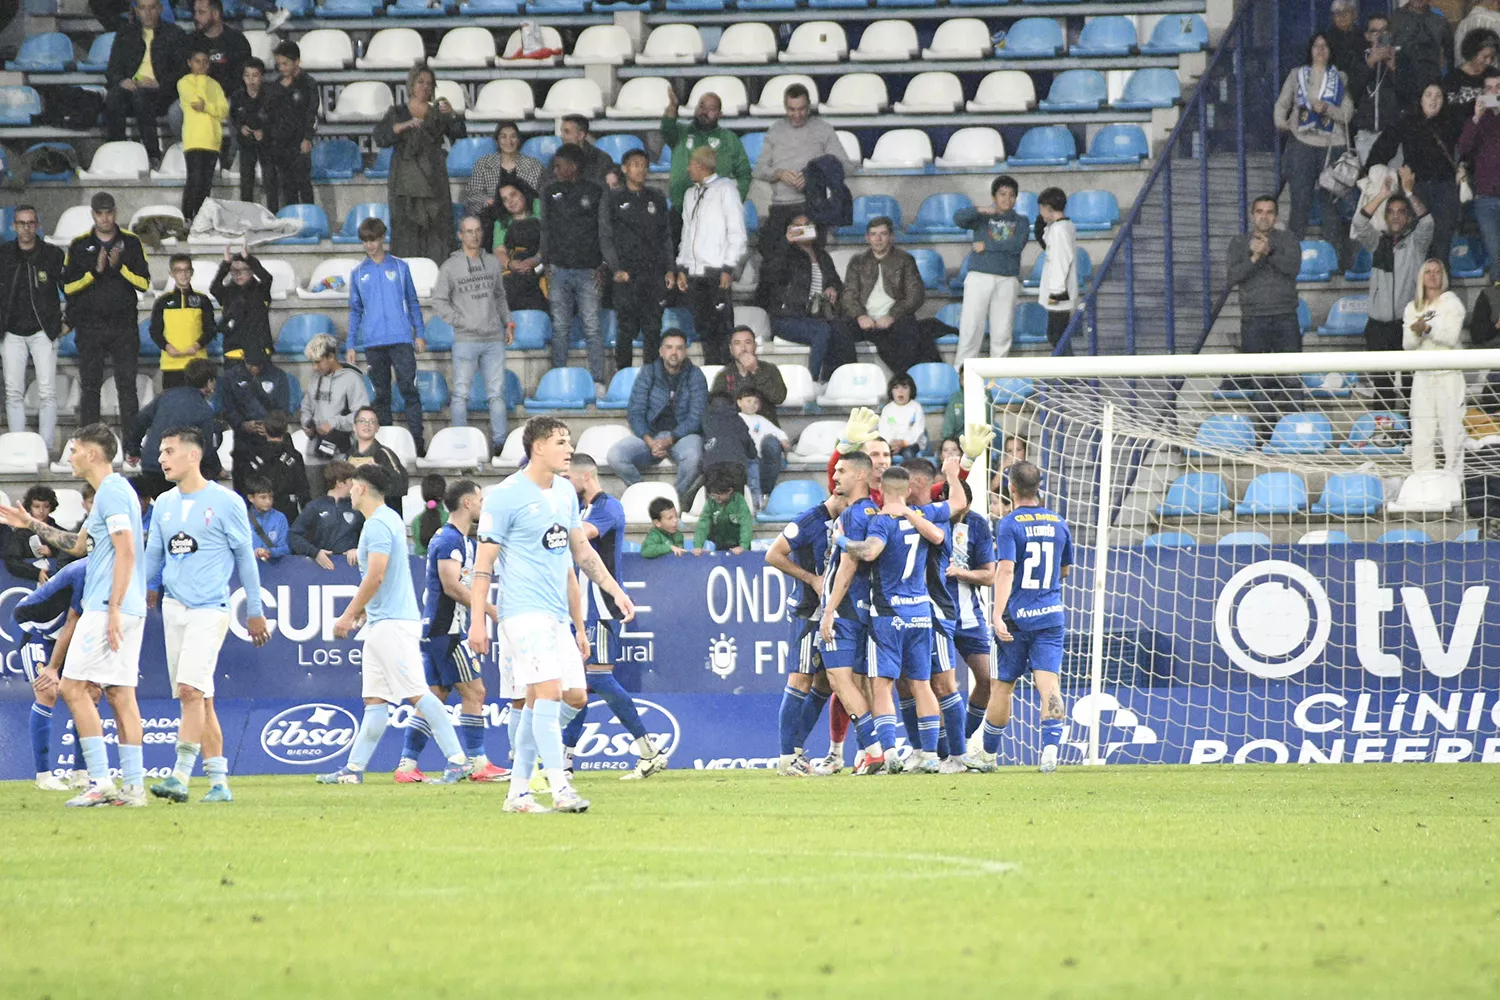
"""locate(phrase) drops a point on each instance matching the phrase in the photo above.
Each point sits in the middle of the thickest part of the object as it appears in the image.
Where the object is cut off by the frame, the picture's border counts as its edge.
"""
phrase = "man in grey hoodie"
(1397, 255)
(470, 296)
(332, 397)
(790, 145)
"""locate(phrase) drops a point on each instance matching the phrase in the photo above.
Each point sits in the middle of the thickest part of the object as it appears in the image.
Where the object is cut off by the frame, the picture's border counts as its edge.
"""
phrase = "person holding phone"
(1480, 145)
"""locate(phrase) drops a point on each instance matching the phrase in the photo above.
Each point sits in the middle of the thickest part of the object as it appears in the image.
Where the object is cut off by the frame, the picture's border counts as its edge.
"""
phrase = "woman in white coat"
(1434, 322)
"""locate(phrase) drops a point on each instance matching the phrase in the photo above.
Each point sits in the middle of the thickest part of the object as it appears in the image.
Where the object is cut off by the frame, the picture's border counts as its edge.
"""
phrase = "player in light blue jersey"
(200, 532)
(531, 524)
(391, 662)
(47, 617)
(1033, 553)
(106, 648)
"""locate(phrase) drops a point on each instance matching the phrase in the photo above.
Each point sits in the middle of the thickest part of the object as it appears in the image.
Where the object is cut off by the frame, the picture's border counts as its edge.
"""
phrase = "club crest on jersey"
(348, 517)
(555, 538)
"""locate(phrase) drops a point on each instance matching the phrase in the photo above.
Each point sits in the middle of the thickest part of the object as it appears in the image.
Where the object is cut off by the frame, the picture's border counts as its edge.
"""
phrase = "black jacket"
(244, 397)
(168, 57)
(326, 524)
(20, 561)
(109, 296)
(786, 283)
(635, 233)
(226, 56)
(726, 437)
(382, 456)
(294, 109)
(829, 202)
(249, 112)
(182, 406)
(244, 311)
(279, 462)
(570, 225)
(38, 275)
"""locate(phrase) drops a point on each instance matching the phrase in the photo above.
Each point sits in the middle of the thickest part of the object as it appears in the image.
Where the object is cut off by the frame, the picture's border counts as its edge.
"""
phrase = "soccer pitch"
(1093, 882)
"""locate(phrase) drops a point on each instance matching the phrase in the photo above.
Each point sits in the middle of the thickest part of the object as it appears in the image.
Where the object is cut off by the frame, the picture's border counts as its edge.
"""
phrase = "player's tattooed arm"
(865, 550)
(586, 559)
(70, 542)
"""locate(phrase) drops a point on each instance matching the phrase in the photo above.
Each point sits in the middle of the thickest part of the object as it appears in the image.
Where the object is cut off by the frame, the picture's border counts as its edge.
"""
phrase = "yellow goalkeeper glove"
(975, 441)
(859, 429)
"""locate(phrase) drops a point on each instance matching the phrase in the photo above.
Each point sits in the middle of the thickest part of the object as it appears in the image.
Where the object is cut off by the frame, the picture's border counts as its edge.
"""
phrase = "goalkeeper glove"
(859, 429)
(975, 441)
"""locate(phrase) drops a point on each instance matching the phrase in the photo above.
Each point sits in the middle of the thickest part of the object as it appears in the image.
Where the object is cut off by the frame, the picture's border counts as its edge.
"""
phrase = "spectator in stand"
(182, 323)
(1263, 265)
(336, 390)
(747, 371)
(470, 296)
(1480, 145)
(635, 236)
(228, 49)
(294, 121)
(506, 166)
(666, 416)
(1483, 14)
(106, 267)
(727, 519)
(386, 316)
(27, 557)
(1397, 256)
(418, 191)
(1426, 138)
(882, 292)
(31, 320)
(594, 164)
(141, 80)
(1424, 50)
(329, 527)
(727, 445)
(519, 250)
(663, 536)
(272, 534)
(572, 255)
(713, 243)
(250, 123)
(204, 108)
(1058, 291)
(279, 464)
(1373, 86)
(368, 449)
(994, 278)
(789, 146)
(769, 440)
(1346, 43)
(434, 513)
(251, 388)
(243, 288)
(903, 423)
(1012, 452)
(800, 292)
(1314, 107)
(1434, 321)
(185, 405)
(1465, 82)
(703, 130)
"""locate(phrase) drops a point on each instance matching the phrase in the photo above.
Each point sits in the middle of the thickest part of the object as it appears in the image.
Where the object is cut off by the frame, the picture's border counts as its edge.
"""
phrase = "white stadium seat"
(756, 319)
(857, 94)
(637, 500)
(23, 453)
(283, 278)
(746, 43)
(857, 384)
(641, 97)
(672, 45)
(976, 146)
(887, 41)
(932, 93)
(510, 454)
(173, 165)
(109, 396)
(850, 142)
(550, 39)
(1003, 91)
(465, 48)
(770, 103)
(226, 449)
(73, 223)
(457, 448)
(67, 391)
(70, 512)
(572, 96)
(263, 47)
(116, 161)
(399, 440)
(817, 42)
(710, 372)
(901, 149)
(601, 45)
(326, 48)
(597, 439)
(503, 100)
(424, 275)
(204, 269)
(960, 38)
(731, 92)
(365, 101)
(393, 48)
(454, 92)
(153, 210)
(334, 267)
(817, 442)
(800, 387)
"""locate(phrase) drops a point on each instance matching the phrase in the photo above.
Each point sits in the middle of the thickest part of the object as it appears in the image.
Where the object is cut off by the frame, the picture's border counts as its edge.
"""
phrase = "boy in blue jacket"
(385, 315)
(267, 524)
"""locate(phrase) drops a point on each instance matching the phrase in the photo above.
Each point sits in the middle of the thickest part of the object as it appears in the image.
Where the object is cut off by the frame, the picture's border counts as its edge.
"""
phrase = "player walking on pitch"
(47, 617)
(532, 525)
(199, 532)
(391, 665)
(106, 648)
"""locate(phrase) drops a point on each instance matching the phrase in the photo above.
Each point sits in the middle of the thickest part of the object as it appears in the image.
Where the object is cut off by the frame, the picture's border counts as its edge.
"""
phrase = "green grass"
(1111, 882)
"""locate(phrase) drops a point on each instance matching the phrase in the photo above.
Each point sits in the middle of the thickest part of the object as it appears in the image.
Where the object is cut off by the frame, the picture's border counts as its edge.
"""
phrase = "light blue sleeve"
(495, 517)
(156, 558)
(237, 528)
(378, 537)
(575, 518)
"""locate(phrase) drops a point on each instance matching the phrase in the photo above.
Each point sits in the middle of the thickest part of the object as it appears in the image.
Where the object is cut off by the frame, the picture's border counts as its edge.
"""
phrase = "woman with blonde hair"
(1434, 322)
(421, 206)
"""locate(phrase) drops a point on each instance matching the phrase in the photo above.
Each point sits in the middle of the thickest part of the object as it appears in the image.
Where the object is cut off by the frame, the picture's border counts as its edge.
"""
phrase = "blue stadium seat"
(293, 398)
(97, 61)
(1195, 493)
(1045, 146)
(663, 164)
(1231, 432)
(1030, 324)
(48, 52)
(1115, 144)
(681, 319)
(466, 152)
(533, 329)
(62, 147)
(1467, 258)
(1075, 90)
(293, 337)
(1411, 536)
(1027, 204)
(906, 3)
(1245, 538)
(347, 8)
(1319, 261)
(1082, 262)
(1274, 493)
(415, 8)
(314, 224)
(1304, 316)
(1351, 494)
(617, 397)
(336, 160)
(949, 315)
(359, 213)
(562, 389)
(1111, 35)
(1301, 434)
(1329, 385)
(753, 141)
(556, 7)
(1031, 38)
(1346, 317)
(1011, 390)
(937, 381)
(1470, 535)
(1380, 432)
(541, 147)
(956, 286)
(67, 345)
(432, 393)
(935, 215)
(618, 144)
(18, 105)
(1093, 211)
(931, 267)
(489, 8)
(838, 4)
(791, 497)
(867, 207)
(609, 327)
(1175, 34)
(439, 334)
(1153, 87)
(1169, 540)
(752, 217)
(514, 395)
(382, 167)
(1360, 269)
(149, 347)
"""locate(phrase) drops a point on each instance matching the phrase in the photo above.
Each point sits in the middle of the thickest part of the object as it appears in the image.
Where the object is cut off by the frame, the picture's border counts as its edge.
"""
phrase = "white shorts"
(509, 690)
(540, 649)
(91, 659)
(392, 663)
(201, 631)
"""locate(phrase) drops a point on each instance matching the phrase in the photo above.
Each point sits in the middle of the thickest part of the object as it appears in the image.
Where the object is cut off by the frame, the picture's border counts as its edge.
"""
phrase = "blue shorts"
(1041, 649)
(448, 661)
(34, 657)
(903, 647)
(977, 641)
(604, 637)
(809, 649)
(850, 646)
(944, 655)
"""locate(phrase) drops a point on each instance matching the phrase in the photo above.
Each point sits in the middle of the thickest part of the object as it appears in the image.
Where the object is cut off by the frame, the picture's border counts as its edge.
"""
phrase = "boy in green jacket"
(663, 537)
(726, 519)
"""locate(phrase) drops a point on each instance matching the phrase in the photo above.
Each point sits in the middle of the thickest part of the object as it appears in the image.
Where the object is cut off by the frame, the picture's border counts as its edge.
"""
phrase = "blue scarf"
(1309, 120)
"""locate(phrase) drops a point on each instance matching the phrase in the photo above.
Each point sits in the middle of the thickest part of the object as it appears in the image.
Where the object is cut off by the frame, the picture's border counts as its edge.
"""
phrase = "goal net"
(1270, 565)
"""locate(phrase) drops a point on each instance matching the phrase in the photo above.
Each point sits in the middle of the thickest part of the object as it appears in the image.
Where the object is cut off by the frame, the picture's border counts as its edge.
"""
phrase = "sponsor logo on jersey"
(309, 734)
(607, 746)
(555, 538)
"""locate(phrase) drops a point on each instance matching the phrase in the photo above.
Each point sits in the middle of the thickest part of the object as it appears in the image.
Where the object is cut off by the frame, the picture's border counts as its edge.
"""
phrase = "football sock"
(40, 727)
(187, 759)
(573, 731)
(992, 735)
(789, 719)
(838, 722)
(436, 715)
(812, 708)
(952, 708)
(524, 749)
(513, 729)
(864, 731)
(473, 730)
(1052, 730)
(418, 732)
(619, 702)
(371, 728)
(885, 731)
(973, 719)
(217, 769)
(928, 729)
(908, 708)
(548, 733)
(132, 769)
(566, 714)
(95, 758)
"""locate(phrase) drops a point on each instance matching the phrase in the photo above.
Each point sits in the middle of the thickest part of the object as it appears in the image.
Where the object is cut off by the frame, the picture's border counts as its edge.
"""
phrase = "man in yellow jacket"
(182, 323)
(204, 108)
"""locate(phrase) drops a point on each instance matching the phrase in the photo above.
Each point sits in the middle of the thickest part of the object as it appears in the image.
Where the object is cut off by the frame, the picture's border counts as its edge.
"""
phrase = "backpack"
(71, 108)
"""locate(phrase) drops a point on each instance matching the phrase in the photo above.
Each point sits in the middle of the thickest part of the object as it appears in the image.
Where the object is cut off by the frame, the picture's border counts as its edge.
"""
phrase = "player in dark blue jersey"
(46, 617)
(801, 553)
(1033, 553)
(446, 658)
(604, 525)
(970, 574)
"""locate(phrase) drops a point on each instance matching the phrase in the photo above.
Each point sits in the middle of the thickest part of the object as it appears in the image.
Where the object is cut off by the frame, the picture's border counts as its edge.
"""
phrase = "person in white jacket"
(713, 241)
(1058, 292)
(1434, 322)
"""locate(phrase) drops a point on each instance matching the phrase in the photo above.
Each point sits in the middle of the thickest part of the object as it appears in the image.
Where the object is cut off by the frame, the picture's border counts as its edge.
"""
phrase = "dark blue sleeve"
(981, 542)
(281, 540)
(1065, 557)
(1005, 541)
